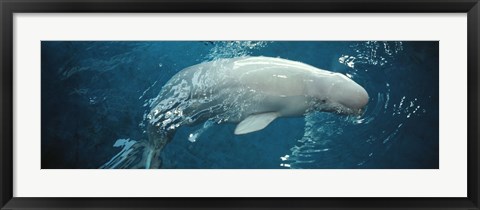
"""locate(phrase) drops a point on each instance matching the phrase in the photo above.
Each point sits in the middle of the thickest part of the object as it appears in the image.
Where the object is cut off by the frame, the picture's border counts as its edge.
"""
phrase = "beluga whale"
(248, 91)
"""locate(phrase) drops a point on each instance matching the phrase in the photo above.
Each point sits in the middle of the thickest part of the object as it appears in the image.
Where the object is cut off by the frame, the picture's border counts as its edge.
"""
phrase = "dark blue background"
(94, 93)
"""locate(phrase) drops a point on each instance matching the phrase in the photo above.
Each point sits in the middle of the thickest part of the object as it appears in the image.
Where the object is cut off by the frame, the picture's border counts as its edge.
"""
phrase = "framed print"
(251, 105)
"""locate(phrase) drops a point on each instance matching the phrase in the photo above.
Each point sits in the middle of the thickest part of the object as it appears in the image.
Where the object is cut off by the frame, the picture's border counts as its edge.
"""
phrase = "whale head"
(337, 93)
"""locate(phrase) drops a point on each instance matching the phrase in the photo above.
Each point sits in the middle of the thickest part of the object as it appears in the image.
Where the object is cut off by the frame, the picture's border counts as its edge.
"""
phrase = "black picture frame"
(9, 7)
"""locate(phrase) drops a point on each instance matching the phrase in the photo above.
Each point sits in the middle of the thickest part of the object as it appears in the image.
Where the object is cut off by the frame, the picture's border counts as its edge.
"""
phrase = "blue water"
(95, 96)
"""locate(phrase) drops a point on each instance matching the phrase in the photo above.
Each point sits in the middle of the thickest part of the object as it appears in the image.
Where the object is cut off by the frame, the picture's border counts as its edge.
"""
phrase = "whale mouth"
(360, 112)
(344, 109)
(353, 112)
(338, 108)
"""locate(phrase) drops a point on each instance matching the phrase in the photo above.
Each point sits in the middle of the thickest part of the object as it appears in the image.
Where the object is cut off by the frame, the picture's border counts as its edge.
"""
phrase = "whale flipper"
(255, 122)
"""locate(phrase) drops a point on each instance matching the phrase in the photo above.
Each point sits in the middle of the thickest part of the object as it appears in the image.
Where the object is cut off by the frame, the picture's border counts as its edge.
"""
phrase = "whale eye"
(324, 100)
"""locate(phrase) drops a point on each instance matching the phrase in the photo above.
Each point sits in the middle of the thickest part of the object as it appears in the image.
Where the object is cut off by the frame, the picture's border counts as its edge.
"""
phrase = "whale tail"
(134, 155)
(153, 159)
(140, 154)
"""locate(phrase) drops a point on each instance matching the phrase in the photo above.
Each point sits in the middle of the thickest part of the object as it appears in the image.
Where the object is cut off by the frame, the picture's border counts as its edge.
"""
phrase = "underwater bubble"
(284, 158)
(193, 137)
